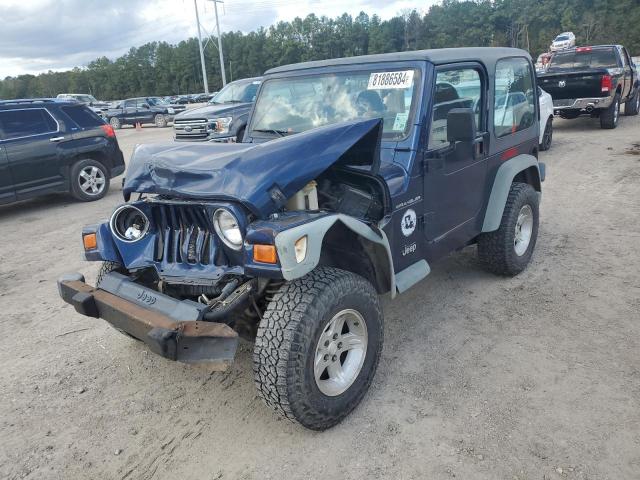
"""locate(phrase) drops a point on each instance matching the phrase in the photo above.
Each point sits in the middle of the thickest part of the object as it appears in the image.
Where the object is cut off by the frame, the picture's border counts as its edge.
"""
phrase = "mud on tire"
(497, 250)
(287, 341)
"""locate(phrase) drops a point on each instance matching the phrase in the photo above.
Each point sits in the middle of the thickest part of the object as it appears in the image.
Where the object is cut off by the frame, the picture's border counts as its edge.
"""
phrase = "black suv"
(49, 145)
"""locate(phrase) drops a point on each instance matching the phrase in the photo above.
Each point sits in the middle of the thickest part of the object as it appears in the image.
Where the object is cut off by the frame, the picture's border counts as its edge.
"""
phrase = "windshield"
(153, 101)
(293, 105)
(237, 92)
(561, 38)
(590, 58)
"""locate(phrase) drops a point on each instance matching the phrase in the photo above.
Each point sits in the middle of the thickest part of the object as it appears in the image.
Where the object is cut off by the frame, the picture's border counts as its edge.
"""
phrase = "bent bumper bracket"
(192, 341)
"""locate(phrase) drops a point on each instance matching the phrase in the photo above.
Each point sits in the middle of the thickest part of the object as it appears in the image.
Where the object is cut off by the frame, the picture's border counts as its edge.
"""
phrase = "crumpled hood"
(259, 175)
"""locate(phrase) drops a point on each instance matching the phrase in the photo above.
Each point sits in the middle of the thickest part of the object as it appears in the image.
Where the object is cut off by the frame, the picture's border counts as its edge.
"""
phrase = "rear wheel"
(89, 180)
(160, 121)
(547, 136)
(508, 250)
(609, 117)
(318, 347)
(115, 123)
(632, 107)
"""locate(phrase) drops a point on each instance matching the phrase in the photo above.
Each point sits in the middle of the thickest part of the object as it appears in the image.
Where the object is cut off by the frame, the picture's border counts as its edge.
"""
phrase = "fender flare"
(315, 231)
(501, 186)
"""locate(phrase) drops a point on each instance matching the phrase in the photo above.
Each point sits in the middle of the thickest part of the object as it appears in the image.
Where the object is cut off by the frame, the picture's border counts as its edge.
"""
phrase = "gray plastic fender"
(315, 232)
(501, 186)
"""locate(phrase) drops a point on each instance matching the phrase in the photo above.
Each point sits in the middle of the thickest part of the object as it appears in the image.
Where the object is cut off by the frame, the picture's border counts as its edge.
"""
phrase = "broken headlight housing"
(129, 223)
(227, 228)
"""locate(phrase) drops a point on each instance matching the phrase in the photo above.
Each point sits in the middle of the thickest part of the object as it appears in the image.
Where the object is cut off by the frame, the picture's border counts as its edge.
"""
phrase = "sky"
(41, 35)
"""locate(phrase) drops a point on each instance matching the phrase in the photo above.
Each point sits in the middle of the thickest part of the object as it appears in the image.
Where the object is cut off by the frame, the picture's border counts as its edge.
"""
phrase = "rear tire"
(632, 106)
(609, 117)
(89, 180)
(318, 347)
(547, 137)
(508, 250)
(160, 120)
(115, 123)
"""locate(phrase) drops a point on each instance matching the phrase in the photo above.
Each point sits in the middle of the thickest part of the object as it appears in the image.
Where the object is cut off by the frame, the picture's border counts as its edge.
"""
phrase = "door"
(7, 190)
(628, 73)
(129, 112)
(31, 142)
(143, 111)
(454, 176)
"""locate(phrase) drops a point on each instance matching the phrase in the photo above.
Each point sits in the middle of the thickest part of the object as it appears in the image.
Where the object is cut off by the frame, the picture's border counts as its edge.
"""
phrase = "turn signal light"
(265, 254)
(90, 241)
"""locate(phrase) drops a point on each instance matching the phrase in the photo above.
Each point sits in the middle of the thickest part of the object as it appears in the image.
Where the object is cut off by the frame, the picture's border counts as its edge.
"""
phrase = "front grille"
(192, 128)
(184, 235)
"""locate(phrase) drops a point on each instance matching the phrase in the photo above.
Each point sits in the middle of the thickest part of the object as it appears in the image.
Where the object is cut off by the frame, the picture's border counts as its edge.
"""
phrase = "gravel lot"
(535, 377)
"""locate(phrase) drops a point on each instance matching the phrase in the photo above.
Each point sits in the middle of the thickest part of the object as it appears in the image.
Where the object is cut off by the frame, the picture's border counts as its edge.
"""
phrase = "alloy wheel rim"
(114, 122)
(523, 230)
(91, 180)
(340, 352)
(616, 111)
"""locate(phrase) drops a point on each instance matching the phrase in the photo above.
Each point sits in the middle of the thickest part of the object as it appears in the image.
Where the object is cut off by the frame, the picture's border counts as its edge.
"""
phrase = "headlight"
(220, 125)
(227, 228)
(171, 111)
(129, 224)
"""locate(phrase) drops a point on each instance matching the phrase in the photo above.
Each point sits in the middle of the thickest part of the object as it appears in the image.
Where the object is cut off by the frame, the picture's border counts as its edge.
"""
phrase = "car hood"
(212, 111)
(262, 176)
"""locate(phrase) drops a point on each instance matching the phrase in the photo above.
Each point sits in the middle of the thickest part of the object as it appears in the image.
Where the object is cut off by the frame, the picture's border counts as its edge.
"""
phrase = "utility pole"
(224, 76)
(204, 70)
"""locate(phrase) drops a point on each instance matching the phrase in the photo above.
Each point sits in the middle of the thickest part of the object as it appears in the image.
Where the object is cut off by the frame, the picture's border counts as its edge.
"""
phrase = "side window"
(460, 88)
(129, 104)
(24, 123)
(514, 108)
(141, 102)
(82, 116)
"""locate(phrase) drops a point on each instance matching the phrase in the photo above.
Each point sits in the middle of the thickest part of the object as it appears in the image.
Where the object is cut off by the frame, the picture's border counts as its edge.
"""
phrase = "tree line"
(159, 68)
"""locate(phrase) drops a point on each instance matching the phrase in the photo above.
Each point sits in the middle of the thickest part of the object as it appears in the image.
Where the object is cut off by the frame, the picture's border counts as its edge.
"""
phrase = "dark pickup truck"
(143, 110)
(593, 81)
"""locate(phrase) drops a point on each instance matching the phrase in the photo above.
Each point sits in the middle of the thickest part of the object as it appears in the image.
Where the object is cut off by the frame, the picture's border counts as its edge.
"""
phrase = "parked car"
(546, 119)
(349, 185)
(49, 145)
(160, 102)
(224, 119)
(563, 41)
(182, 100)
(201, 98)
(141, 110)
(594, 81)
(96, 105)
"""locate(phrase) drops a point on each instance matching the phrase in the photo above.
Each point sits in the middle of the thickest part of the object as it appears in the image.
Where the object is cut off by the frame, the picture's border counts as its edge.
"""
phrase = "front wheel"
(115, 123)
(160, 121)
(632, 107)
(508, 250)
(547, 136)
(318, 347)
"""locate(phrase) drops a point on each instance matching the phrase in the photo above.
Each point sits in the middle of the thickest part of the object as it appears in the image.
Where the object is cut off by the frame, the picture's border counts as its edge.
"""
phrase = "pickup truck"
(142, 110)
(594, 81)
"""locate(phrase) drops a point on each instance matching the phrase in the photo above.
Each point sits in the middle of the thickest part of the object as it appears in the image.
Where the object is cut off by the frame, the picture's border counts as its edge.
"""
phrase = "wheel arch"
(522, 168)
(343, 242)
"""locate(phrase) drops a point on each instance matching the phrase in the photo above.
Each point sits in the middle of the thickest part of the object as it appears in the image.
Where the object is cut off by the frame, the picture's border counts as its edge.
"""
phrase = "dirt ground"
(535, 377)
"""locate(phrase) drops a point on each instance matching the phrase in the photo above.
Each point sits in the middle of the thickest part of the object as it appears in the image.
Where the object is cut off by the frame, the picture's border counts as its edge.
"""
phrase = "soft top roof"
(436, 56)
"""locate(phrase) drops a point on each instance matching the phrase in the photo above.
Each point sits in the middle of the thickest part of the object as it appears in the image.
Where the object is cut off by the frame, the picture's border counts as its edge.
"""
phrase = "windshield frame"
(417, 98)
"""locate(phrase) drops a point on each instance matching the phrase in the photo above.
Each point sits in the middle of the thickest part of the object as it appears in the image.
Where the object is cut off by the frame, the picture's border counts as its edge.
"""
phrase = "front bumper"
(135, 310)
(582, 103)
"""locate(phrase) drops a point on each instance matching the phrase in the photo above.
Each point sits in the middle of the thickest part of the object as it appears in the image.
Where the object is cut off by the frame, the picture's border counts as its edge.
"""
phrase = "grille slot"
(193, 128)
(184, 234)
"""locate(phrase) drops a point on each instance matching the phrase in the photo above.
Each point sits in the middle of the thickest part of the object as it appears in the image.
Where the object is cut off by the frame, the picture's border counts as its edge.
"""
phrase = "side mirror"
(461, 125)
(539, 92)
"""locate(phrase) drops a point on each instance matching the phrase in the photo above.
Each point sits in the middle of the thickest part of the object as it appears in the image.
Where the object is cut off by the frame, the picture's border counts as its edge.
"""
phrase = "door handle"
(56, 139)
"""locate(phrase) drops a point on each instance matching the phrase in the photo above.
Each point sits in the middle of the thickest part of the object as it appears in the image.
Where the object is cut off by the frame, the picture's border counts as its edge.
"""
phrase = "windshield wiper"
(281, 133)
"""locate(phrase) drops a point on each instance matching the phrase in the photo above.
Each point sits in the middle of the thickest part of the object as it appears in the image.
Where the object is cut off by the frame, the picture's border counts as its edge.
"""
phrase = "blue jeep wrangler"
(354, 177)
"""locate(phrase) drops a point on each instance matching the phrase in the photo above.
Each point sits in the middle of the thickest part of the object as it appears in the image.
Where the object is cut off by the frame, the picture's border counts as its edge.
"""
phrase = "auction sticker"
(385, 80)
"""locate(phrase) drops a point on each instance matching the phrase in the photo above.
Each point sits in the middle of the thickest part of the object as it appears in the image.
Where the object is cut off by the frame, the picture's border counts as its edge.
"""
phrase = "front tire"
(89, 180)
(547, 137)
(508, 250)
(160, 121)
(115, 123)
(632, 106)
(609, 117)
(318, 347)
